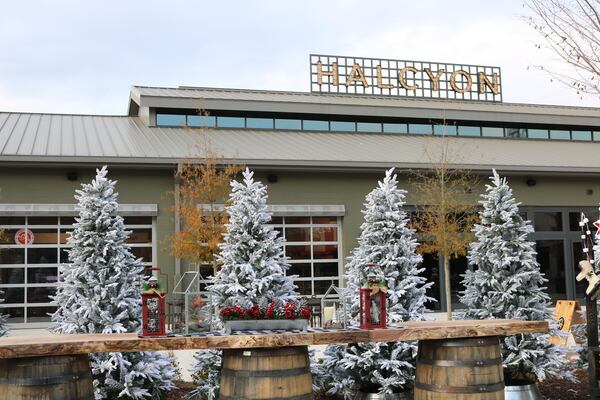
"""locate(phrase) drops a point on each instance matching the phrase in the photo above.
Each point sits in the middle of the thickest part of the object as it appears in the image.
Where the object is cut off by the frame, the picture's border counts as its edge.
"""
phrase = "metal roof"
(89, 139)
(383, 106)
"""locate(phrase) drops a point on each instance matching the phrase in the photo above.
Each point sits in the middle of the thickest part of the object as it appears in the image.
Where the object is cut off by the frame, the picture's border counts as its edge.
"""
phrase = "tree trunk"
(447, 288)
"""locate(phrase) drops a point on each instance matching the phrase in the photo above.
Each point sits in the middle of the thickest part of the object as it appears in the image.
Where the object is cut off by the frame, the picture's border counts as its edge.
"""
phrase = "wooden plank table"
(53, 345)
(21, 355)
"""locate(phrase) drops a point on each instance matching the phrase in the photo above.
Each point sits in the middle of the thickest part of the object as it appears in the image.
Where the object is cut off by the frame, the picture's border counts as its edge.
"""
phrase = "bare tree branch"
(571, 29)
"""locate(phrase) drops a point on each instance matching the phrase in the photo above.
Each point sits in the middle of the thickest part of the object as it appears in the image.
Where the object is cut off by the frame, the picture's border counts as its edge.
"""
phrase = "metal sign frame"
(404, 78)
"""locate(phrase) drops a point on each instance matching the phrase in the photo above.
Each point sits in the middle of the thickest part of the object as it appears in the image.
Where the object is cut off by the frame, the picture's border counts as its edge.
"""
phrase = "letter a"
(357, 74)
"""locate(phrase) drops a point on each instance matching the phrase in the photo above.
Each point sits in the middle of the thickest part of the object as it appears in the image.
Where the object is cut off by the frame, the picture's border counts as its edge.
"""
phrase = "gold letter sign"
(356, 74)
(401, 78)
(333, 73)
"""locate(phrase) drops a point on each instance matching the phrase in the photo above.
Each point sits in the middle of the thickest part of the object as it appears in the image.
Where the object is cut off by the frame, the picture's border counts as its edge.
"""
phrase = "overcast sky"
(83, 56)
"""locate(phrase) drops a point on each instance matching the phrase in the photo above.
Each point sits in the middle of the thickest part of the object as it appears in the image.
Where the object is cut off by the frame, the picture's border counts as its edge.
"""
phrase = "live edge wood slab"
(54, 345)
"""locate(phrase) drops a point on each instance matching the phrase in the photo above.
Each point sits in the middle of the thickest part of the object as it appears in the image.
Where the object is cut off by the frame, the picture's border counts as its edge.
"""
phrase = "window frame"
(26, 266)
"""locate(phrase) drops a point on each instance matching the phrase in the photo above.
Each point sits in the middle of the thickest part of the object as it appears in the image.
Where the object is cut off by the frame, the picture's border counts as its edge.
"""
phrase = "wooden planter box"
(266, 325)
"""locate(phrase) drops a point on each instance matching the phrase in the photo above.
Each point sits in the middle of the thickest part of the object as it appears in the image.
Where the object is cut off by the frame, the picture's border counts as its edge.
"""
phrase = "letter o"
(467, 86)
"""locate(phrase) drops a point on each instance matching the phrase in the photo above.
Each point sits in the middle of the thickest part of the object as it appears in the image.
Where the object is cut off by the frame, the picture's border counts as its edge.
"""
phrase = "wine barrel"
(273, 373)
(46, 378)
(459, 369)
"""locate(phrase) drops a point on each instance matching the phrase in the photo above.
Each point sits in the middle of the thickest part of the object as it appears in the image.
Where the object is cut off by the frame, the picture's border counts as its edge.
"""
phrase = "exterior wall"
(350, 189)
(154, 186)
(50, 185)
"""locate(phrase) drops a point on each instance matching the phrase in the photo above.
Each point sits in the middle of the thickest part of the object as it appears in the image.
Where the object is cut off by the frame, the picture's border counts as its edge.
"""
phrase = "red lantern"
(372, 308)
(153, 310)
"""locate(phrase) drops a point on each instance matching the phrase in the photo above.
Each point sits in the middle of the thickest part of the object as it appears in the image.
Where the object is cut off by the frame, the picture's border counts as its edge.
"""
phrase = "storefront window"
(420, 129)
(395, 128)
(444, 130)
(230, 122)
(288, 124)
(37, 255)
(325, 234)
(548, 221)
(574, 218)
(322, 285)
(368, 127)
(170, 120)
(313, 248)
(458, 267)
(202, 121)
(582, 135)
(259, 123)
(297, 234)
(551, 256)
(298, 252)
(342, 126)
(469, 131)
(311, 125)
(431, 272)
(537, 133)
(516, 132)
(31, 250)
(453, 128)
(488, 131)
(303, 270)
(560, 135)
(12, 275)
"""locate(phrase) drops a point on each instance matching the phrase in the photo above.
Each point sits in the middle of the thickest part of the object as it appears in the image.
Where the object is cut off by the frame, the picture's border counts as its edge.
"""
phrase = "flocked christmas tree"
(252, 261)
(3, 318)
(387, 241)
(100, 292)
(252, 268)
(504, 280)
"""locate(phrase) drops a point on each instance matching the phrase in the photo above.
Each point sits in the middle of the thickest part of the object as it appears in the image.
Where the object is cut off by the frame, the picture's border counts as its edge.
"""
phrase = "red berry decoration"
(305, 313)
(269, 310)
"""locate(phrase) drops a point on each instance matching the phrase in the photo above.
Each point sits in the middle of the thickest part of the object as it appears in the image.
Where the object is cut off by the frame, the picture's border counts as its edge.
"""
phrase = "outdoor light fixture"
(72, 175)
(272, 178)
(530, 182)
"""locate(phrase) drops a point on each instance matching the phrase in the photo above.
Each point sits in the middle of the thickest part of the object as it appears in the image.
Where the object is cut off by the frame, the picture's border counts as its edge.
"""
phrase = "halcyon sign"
(383, 77)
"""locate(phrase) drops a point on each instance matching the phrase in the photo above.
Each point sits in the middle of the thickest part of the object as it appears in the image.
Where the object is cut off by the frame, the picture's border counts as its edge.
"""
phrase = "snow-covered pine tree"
(252, 261)
(3, 318)
(385, 240)
(206, 373)
(504, 280)
(252, 269)
(100, 292)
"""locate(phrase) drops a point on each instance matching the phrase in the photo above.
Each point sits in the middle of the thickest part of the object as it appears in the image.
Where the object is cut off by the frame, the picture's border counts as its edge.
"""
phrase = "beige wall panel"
(50, 185)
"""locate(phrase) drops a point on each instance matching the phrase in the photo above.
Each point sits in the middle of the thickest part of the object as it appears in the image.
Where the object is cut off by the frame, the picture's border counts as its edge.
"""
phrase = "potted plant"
(287, 316)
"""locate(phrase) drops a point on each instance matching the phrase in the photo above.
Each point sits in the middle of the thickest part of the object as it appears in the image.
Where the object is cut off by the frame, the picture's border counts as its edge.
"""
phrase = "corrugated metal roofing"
(95, 139)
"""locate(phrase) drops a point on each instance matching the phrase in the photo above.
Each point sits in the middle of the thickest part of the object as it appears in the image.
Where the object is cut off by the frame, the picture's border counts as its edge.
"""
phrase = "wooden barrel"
(459, 369)
(46, 378)
(274, 373)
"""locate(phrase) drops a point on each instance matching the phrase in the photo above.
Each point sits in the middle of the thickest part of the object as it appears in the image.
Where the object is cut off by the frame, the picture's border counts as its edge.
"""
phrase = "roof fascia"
(461, 113)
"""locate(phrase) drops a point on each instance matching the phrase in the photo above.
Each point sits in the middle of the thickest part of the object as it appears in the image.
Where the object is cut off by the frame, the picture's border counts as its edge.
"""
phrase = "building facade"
(319, 154)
